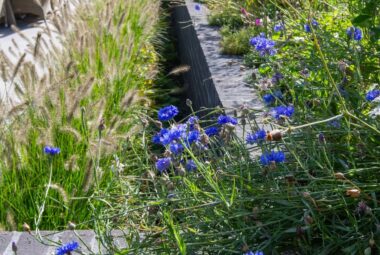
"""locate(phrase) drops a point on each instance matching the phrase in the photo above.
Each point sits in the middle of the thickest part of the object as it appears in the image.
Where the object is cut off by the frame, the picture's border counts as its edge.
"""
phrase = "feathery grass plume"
(18, 66)
(180, 70)
(21, 34)
(37, 44)
(88, 177)
(61, 191)
(15, 44)
(11, 223)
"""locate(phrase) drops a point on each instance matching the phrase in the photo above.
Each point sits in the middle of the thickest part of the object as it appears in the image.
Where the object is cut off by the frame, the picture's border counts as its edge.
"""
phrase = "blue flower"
(162, 137)
(277, 77)
(193, 136)
(163, 164)
(51, 150)
(192, 121)
(67, 248)
(372, 95)
(334, 123)
(190, 165)
(254, 253)
(278, 27)
(273, 156)
(177, 132)
(197, 7)
(263, 45)
(281, 111)
(167, 113)
(257, 137)
(224, 119)
(269, 98)
(176, 148)
(354, 33)
(212, 131)
(307, 27)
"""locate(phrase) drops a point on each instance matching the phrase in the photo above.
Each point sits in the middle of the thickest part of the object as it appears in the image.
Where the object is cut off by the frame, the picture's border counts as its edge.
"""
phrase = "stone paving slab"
(27, 243)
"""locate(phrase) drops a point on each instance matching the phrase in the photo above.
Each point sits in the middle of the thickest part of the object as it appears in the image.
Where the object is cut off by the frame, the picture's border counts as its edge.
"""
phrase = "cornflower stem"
(42, 207)
(289, 129)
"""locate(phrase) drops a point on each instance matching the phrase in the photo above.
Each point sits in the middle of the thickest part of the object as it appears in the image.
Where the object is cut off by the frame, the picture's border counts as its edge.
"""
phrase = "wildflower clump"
(263, 45)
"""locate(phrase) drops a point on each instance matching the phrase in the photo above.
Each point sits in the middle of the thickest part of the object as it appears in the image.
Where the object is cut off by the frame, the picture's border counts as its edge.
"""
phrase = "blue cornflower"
(278, 28)
(307, 27)
(372, 95)
(273, 156)
(162, 137)
(193, 136)
(212, 131)
(163, 164)
(67, 248)
(277, 77)
(190, 165)
(256, 137)
(176, 148)
(177, 132)
(269, 98)
(263, 45)
(167, 113)
(224, 119)
(51, 150)
(197, 7)
(254, 253)
(334, 123)
(192, 121)
(281, 111)
(354, 33)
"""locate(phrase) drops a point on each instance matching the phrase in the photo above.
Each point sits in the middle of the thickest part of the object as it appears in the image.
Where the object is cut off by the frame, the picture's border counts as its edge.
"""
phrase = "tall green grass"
(88, 103)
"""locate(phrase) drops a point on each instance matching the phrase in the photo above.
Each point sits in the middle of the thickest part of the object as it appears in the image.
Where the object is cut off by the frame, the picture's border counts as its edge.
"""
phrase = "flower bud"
(71, 225)
(274, 135)
(354, 193)
(340, 176)
(26, 227)
(189, 103)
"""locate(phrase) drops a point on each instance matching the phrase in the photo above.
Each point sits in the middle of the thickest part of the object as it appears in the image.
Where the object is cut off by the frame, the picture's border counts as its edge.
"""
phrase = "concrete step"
(27, 243)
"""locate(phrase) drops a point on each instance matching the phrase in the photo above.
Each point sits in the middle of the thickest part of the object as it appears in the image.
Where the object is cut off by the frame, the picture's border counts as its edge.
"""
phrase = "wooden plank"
(9, 15)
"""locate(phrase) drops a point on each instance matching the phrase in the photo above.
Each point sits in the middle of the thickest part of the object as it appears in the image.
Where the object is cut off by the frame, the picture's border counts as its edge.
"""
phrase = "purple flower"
(281, 111)
(224, 119)
(263, 45)
(334, 123)
(277, 77)
(51, 150)
(268, 98)
(212, 131)
(176, 148)
(67, 248)
(257, 137)
(197, 7)
(190, 165)
(372, 95)
(167, 113)
(273, 156)
(354, 33)
(163, 164)
(278, 28)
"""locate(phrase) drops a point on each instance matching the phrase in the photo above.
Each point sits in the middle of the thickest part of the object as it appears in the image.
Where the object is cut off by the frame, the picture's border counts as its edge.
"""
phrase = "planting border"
(214, 79)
